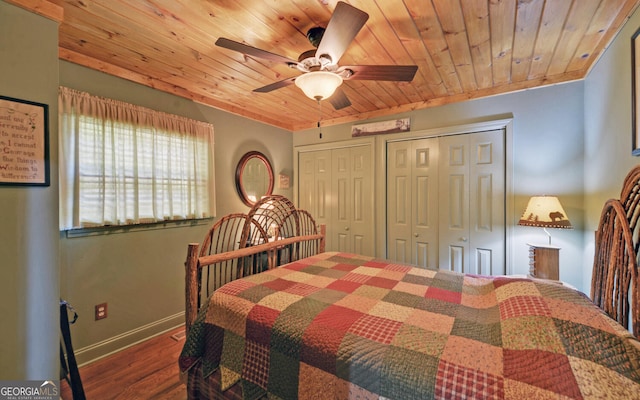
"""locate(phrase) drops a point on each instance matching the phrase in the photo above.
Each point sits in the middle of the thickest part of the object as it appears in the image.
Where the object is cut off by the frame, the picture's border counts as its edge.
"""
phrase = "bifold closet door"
(314, 186)
(352, 192)
(472, 203)
(336, 186)
(412, 202)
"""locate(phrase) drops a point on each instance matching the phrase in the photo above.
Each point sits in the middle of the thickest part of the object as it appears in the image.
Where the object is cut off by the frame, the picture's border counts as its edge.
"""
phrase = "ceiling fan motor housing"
(315, 35)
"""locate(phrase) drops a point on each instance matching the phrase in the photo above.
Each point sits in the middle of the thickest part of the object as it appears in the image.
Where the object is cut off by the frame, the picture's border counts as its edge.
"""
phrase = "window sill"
(112, 230)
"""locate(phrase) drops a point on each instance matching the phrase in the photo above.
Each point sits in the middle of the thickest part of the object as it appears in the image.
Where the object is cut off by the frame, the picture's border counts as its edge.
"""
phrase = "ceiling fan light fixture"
(318, 85)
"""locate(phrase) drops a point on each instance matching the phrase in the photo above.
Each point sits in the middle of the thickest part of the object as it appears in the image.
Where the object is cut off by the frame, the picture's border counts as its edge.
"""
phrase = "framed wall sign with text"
(24, 142)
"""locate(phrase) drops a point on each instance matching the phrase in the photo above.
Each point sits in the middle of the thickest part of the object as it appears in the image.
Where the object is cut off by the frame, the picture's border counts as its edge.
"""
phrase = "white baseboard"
(94, 352)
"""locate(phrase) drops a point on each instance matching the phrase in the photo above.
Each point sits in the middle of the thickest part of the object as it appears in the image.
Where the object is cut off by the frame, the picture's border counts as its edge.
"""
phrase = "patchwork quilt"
(345, 326)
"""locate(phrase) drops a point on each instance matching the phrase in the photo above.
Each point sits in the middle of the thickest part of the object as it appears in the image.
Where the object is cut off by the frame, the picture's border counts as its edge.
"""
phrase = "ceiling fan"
(321, 74)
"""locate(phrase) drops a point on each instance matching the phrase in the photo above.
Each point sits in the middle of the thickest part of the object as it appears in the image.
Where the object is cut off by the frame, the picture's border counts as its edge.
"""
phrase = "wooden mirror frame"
(240, 171)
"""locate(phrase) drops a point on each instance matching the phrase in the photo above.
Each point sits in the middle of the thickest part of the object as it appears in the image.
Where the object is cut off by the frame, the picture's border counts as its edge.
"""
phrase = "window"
(122, 164)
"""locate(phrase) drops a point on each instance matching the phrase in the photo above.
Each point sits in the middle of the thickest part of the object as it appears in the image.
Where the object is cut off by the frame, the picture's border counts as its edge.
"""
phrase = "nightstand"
(544, 261)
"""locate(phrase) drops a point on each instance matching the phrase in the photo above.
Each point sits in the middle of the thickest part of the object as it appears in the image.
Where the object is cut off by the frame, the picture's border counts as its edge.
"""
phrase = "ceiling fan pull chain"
(319, 118)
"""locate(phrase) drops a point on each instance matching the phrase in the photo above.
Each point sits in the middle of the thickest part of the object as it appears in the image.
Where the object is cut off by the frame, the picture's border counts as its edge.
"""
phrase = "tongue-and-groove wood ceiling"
(464, 49)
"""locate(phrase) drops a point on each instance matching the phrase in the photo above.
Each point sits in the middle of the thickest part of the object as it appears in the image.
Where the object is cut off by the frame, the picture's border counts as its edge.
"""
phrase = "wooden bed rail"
(194, 264)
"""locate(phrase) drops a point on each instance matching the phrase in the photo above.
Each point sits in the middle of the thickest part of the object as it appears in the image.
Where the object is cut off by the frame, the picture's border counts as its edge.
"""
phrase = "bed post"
(323, 232)
(191, 285)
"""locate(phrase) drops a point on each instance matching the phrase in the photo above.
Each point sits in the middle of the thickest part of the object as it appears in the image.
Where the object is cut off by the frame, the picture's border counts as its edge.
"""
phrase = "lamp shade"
(545, 212)
(318, 85)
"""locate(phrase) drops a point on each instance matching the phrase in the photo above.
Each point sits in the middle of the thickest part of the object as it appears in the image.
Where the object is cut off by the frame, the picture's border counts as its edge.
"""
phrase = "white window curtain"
(122, 164)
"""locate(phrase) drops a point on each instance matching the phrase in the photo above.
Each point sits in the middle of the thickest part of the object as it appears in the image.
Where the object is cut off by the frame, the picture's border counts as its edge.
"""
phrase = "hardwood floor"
(148, 370)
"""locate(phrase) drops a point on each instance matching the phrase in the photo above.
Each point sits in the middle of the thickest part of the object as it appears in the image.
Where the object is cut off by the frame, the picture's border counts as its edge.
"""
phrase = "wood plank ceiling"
(464, 49)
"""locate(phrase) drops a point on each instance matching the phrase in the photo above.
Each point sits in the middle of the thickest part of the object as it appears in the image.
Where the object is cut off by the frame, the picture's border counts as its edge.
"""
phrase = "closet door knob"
(346, 228)
(416, 234)
(464, 239)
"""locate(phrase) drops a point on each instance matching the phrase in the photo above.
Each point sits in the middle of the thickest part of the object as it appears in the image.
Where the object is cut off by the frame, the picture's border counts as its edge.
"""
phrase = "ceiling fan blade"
(382, 72)
(275, 85)
(344, 25)
(253, 51)
(339, 99)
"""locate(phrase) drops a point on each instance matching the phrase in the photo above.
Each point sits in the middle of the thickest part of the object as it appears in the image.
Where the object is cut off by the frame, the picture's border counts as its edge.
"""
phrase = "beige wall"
(139, 273)
(29, 215)
(608, 132)
(546, 158)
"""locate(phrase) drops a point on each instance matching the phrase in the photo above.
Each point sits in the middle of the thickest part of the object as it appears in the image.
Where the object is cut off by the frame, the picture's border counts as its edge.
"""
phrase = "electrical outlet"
(101, 311)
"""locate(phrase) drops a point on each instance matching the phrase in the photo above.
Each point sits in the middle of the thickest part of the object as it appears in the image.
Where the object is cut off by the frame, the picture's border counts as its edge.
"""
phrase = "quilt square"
(320, 385)
(226, 317)
(438, 306)
(610, 385)
(432, 322)
(360, 361)
(358, 303)
(333, 274)
(356, 277)
(416, 339)
(279, 284)
(514, 288)
(403, 268)
(416, 279)
(349, 258)
(484, 357)
(376, 264)
(531, 333)
(521, 306)
(232, 352)
(256, 293)
(301, 289)
(381, 282)
(478, 285)
(344, 286)
(448, 280)
(291, 323)
(554, 371)
(328, 296)
(443, 294)
(391, 311)
(256, 357)
(489, 333)
(372, 292)
(611, 352)
(410, 288)
(313, 269)
(375, 328)
(479, 300)
(589, 315)
(260, 320)
(488, 315)
(294, 266)
(408, 375)
(458, 382)
(322, 338)
(283, 375)
(344, 267)
(235, 287)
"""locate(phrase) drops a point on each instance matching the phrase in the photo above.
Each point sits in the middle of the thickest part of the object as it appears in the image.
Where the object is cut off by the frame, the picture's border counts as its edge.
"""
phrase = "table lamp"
(545, 212)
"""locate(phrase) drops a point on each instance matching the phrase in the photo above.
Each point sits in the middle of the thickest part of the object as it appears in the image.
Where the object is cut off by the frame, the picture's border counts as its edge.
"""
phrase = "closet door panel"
(412, 216)
(453, 235)
(487, 216)
(399, 192)
(361, 191)
(425, 202)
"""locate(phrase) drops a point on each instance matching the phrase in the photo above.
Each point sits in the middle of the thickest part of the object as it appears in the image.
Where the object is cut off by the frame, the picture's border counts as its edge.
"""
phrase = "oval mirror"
(254, 177)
